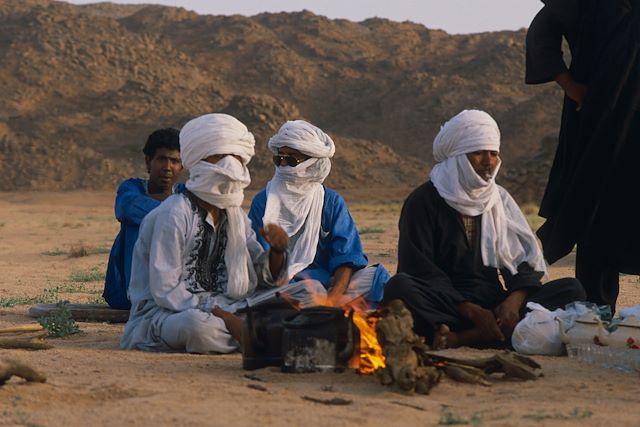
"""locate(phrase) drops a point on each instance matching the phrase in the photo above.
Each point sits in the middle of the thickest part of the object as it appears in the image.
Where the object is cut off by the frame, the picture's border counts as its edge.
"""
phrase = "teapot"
(627, 335)
(588, 329)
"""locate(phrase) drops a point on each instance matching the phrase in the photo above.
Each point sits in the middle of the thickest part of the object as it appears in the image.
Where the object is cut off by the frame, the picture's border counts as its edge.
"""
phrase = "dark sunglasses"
(289, 160)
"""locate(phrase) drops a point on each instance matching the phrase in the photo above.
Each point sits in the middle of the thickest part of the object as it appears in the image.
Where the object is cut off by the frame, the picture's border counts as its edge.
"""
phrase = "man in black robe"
(460, 233)
(591, 196)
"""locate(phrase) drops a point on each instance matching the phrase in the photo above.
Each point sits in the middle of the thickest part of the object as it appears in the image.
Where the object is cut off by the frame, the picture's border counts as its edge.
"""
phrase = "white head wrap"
(295, 195)
(222, 184)
(507, 239)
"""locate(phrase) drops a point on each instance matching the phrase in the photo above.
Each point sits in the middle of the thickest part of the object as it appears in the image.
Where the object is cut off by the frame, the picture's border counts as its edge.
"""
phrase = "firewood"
(463, 374)
(29, 341)
(9, 368)
(22, 328)
(332, 401)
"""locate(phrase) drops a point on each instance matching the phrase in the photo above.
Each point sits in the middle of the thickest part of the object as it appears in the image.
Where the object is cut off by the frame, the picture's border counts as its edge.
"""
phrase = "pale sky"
(453, 16)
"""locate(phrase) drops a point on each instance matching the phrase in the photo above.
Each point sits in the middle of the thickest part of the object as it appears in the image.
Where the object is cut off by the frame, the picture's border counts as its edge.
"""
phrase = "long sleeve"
(256, 212)
(168, 241)
(132, 203)
(345, 247)
(260, 259)
(526, 278)
(544, 58)
(416, 246)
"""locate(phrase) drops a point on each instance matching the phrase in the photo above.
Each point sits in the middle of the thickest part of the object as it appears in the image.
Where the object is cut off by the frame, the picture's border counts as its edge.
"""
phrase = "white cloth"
(295, 195)
(222, 184)
(507, 239)
(164, 281)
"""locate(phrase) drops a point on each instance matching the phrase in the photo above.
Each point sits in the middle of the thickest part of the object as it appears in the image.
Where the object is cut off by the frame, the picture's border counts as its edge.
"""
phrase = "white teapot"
(588, 329)
(627, 335)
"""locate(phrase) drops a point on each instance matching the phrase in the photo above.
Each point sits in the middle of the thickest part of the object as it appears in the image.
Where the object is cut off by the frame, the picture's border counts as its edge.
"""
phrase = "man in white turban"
(197, 257)
(327, 263)
(459, 233)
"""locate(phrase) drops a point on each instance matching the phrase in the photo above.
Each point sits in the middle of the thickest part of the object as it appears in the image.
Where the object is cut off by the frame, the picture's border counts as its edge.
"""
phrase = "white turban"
(507, 239)
(469, 131)
(222, 185)
(295, 195)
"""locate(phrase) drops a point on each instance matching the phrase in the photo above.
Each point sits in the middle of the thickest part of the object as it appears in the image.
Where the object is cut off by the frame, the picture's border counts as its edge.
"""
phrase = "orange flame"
(371, 357)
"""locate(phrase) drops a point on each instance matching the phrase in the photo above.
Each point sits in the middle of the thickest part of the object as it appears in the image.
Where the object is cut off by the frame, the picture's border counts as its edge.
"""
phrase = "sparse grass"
(372, 230)
(60, 323)
(19, 418)
(52, 295)
(94, 274)
(575, 414)
(96, 299)
(77, 251)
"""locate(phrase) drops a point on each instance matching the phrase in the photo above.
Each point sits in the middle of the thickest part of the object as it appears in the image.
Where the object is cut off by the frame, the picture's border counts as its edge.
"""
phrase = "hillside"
(83, 86)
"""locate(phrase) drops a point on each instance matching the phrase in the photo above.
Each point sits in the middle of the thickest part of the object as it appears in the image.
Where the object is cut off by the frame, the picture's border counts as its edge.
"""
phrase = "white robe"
(169, 309)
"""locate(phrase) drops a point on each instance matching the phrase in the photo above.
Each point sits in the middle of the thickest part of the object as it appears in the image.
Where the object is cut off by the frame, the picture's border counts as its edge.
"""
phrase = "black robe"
(439, 268)
(591, 197)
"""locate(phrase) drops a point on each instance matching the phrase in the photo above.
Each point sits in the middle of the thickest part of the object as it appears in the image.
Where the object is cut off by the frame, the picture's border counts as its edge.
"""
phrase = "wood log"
(28, 341)
(84, 312)
(34, 327)
(9, 368)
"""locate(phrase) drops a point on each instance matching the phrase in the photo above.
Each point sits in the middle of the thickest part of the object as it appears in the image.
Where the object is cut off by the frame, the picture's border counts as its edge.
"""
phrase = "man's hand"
(508, 312)
(276, 237)
(278, 240)
(574, 90)
(339, 284)
(484, 321)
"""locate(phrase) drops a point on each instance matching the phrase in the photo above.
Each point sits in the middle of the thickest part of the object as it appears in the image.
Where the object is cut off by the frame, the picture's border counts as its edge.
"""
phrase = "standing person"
(197, 255)
(590, 197)
(325, 247)
(459, 233)
(135, 198)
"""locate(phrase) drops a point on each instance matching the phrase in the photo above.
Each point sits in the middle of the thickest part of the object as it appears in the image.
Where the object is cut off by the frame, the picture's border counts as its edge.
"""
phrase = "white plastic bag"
(538, 332)
(631, 311)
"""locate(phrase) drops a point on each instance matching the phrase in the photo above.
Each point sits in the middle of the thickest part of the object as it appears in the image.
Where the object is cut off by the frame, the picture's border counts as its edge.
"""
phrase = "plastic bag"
(538, 332)
(631, 311)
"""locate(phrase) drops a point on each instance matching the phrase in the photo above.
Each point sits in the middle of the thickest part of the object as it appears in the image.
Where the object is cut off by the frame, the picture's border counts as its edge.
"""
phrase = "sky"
(453, 16)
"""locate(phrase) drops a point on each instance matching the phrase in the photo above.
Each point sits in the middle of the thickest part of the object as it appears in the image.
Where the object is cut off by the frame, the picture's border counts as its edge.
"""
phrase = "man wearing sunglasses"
(327, 264)
(197, 259)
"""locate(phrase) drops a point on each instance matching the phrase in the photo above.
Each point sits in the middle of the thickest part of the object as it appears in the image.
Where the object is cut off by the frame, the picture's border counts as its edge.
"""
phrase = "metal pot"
(319, 339)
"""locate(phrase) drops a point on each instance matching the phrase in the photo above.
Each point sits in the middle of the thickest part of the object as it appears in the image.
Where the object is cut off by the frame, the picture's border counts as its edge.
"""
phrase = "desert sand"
(92, 382)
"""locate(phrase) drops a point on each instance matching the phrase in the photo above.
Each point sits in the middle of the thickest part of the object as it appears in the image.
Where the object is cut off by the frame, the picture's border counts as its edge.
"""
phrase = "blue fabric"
(132, 205)
(339, 243)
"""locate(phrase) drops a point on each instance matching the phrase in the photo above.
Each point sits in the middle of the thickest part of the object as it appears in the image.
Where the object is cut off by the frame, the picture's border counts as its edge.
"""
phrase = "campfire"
(327, 338)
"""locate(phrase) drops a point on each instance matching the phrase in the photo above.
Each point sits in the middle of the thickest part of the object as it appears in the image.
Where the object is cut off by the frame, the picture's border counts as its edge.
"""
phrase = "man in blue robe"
(135, 198)
(326, 253)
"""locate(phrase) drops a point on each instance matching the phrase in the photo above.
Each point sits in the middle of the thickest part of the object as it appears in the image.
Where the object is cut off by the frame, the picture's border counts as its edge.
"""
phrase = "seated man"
(324, 244)
(136, 197)
(459, 232)
(196, 255)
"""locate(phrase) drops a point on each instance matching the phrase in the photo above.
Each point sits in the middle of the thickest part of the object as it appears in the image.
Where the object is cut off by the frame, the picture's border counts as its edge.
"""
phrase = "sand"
(91, 382)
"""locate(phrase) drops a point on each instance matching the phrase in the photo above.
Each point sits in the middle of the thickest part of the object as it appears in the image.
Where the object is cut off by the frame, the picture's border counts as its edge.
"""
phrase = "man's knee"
(572, 288)
(400, 286)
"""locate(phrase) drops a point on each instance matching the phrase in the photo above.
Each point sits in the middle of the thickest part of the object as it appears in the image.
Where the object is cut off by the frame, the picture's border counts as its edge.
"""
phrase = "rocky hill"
(82, 87)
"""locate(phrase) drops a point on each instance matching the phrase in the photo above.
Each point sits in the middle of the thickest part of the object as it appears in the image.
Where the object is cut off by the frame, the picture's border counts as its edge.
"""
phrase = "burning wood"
(411, 367)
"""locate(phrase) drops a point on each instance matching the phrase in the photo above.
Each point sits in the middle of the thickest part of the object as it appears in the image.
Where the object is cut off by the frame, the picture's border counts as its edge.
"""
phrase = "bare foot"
(444, 338)
(231, 321)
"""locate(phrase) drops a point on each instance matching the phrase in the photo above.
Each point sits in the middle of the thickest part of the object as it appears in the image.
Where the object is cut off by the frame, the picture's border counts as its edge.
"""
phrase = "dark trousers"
(433, 306)
(600, 279)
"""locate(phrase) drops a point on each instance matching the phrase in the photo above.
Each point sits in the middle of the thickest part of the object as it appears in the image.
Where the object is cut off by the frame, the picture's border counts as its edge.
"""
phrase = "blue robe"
(132, 205)
(339, 243)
